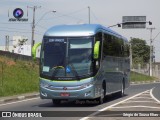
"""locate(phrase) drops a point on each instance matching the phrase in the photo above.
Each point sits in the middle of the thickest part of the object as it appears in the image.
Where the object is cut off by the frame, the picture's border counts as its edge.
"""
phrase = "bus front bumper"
(89, 92)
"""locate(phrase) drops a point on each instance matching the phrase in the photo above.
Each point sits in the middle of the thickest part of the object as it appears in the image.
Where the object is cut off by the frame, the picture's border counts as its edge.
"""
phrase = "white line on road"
(136, 107)
(140, 102)
(19, 101)
(91, 115)
(142, 98)
(151, 93)
(145, 83)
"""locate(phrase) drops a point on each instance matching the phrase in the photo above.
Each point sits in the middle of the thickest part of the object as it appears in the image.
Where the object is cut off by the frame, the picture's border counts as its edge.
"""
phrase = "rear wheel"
(121, 93)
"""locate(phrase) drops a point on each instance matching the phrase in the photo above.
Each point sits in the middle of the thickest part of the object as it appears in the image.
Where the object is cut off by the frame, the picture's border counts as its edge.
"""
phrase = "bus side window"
(107, 45)
(126, 50)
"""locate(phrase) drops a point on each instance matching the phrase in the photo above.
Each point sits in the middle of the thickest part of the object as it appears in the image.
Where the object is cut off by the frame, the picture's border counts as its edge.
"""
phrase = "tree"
(140, 51)
(22, 42)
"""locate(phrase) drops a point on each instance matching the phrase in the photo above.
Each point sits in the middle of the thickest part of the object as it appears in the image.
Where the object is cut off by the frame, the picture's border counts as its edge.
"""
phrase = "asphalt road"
(144, 97)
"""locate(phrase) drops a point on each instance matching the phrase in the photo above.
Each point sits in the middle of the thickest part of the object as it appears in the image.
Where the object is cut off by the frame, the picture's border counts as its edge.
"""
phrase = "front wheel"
(102, 97)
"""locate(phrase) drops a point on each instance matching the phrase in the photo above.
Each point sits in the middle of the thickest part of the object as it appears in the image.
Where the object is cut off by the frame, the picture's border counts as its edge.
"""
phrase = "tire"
(121, 93)
(56, 102)
(102, 97)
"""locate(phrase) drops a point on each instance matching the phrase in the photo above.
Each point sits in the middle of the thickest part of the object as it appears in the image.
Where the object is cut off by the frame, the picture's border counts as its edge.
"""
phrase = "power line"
(75, 12)
(68, 15)
(14, 31)
(43, 16)
(156, 36)
(15, 23)
(95, 16)
(25, 30)
(63, 15)
(41, 27)
(13, 28)
(20, 31)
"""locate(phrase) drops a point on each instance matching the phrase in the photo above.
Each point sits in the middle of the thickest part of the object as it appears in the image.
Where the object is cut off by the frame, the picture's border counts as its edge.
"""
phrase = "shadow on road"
(82, 103)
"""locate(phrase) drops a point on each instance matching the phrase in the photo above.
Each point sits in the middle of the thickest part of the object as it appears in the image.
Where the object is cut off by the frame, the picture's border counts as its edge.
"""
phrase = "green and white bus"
(78, 62)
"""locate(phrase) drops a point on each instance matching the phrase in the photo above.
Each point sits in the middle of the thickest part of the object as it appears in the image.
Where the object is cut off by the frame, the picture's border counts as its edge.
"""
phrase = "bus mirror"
(96, 50)
(34, 49)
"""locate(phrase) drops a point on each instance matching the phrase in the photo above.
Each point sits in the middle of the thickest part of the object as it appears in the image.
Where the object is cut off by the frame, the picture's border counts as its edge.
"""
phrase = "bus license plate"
(65, 94)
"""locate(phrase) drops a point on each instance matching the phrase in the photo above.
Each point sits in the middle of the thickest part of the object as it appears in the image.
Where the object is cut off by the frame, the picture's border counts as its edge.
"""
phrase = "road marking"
(136, 107)
(140, 101)
(19, 101)
(151, 93)
(142, 97)
(146, 83)
(91, 115)
(146, 95)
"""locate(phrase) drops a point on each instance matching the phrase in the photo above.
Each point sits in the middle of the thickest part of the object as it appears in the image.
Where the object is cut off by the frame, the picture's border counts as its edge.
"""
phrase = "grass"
(135, 77)
(18, 77)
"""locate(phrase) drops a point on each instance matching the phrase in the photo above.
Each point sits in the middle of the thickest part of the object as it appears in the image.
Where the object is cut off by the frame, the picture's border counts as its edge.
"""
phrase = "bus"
(82, 62)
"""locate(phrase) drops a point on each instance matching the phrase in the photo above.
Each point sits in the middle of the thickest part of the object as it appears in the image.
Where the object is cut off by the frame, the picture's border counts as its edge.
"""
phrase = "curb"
(18, 97)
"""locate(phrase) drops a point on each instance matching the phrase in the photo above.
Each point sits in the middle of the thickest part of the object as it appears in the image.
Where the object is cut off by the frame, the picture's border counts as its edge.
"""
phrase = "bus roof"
(79, 30)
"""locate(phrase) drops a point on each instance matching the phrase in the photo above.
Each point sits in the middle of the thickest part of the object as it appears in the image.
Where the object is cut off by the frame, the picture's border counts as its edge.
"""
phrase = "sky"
(105, 12)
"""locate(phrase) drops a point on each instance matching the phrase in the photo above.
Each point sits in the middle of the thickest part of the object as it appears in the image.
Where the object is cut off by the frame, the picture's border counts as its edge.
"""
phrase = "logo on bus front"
(64, 88)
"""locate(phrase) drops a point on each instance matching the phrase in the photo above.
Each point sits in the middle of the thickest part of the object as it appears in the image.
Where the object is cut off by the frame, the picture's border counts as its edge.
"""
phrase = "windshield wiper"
(75, 72)
(56, 68)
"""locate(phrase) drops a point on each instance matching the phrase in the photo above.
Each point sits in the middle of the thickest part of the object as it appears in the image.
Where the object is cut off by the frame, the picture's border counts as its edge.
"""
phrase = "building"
(19, 45)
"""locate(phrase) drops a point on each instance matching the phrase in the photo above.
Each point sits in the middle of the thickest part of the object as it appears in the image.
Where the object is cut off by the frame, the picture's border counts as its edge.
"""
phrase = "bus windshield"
(66, 58)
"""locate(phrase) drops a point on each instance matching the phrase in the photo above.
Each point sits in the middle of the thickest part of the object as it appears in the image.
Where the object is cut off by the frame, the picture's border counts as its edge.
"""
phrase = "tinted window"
(112, 46)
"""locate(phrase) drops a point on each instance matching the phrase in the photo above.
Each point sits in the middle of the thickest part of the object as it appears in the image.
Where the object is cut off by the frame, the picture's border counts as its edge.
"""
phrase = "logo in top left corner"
(6, 114)
(18, 13)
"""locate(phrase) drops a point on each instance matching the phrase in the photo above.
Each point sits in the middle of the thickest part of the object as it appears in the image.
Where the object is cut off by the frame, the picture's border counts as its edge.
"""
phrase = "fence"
(145, 70)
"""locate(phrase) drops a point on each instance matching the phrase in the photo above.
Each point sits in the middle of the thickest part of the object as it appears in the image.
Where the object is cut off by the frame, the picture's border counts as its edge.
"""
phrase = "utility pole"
(151, 51)
(89, 15)
(130, 51)
(33, 25)
(7, 43)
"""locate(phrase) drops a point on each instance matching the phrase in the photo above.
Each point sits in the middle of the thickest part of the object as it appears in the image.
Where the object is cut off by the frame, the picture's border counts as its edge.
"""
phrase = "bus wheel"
(56, 102)
(121, 93)
(101, 98)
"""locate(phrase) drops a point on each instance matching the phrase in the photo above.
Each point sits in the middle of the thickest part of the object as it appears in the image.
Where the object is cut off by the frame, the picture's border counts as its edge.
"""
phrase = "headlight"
(87, 84)
(44, 85)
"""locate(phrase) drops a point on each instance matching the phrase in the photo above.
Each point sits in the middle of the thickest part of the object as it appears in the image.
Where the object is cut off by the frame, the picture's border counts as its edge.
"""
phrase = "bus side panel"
(113, 74)
(127, 72)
